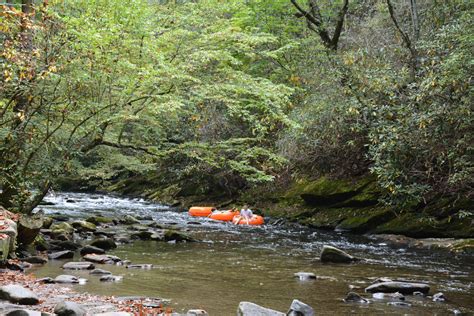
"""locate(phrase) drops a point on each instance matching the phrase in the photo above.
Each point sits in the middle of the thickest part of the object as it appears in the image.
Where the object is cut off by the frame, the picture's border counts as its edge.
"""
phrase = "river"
(257, 264)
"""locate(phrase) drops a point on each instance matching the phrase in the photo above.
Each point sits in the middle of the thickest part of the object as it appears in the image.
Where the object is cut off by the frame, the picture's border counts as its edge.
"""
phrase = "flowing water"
(257, 264)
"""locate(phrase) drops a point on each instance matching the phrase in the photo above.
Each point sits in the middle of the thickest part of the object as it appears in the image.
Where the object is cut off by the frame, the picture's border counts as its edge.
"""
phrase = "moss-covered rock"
(84, 226)
(364, 220)
(419, 225)
(97, 220)
(62, 228)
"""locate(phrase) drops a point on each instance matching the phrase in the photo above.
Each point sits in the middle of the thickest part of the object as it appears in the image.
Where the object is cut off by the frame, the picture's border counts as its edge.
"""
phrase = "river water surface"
(257, 264)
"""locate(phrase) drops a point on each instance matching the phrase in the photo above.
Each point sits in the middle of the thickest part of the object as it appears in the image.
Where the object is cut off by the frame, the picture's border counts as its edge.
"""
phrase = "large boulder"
(26, 312)
(334, 255)
(252, 309)
(298, 308)
(69, 309)
(104, 243)
(401, 287)
(18, 294)
(29, 227)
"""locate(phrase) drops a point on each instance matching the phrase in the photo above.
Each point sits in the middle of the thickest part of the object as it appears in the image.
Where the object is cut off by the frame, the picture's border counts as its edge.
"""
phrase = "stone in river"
(65, 278)
(298, 308)
(401, 287)
(110, 278)
(35, 260)
(197, 312)
(399, 304)
(334, 255)
(439, 297)
(104, 243)
(252, 309)
(304, 276)
(18, 294)
(78, 266)
(100, 272)
(69, 309)
(129, 220)
(101, 258)
(139, 266)
(66, 254)
(91, 249)
(353, 297)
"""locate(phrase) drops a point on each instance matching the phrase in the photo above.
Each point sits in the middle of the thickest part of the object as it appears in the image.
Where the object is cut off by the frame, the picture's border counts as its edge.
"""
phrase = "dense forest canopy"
(226, 95)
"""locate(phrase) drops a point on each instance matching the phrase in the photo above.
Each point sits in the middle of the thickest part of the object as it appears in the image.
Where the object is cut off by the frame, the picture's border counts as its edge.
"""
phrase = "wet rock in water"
(104, 243)
(417, 293)
(78, 266)
(18, 294)
(84, 226)
(65, 245)
(380, 280)
(139, 266)
(111, 278)
(123, 239)
(399, 304)
(105, 233)
(143, 235)
(305, 276)
(173, 235)
(145, 218)
(401, 287)
(101, 258)
(353, 297)
(252, 309)
(35, 260)
(196, 312)
(393, 296)
(66, 254)
(97, 220)
(60, 218)
(129, 220)
(65, 278)
(334, 255)
(91, 249)
(69, 309)
(439, 297)
(100, 272)
(45, 280)
(298, 308)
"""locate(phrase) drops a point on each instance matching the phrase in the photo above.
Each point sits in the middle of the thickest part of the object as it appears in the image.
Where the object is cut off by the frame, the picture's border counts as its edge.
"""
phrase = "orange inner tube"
(254, 220)
(202, 211)
(225, 216)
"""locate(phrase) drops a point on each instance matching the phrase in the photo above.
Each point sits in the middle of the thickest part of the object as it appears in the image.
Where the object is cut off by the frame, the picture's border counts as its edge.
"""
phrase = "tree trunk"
(28, 228)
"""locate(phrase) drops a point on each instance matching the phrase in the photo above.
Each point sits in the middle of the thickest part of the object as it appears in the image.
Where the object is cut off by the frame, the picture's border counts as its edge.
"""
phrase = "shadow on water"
(257, 264)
